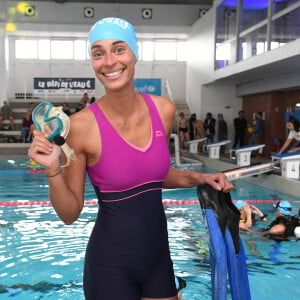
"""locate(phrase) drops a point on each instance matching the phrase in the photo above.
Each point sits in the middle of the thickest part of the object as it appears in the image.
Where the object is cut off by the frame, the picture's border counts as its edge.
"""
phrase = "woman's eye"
(119, 50)
(97, 54)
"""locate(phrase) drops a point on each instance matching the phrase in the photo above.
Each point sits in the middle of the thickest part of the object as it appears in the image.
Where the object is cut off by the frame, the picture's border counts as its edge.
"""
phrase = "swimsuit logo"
(158, 133)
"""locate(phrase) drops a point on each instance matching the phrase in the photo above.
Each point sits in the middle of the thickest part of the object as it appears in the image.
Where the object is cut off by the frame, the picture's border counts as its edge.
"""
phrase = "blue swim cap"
(114, 29)
(285, 208)
(239, 204)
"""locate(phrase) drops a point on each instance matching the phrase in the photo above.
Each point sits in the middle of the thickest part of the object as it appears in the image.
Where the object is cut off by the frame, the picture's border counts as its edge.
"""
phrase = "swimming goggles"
(54, 122)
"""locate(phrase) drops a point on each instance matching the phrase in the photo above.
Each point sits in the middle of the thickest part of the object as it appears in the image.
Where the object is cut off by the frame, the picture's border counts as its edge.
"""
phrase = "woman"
(121, 140)
(294, 135)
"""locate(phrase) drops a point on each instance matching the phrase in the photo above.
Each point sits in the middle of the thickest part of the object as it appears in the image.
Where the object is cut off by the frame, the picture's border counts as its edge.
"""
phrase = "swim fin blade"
(227, 255)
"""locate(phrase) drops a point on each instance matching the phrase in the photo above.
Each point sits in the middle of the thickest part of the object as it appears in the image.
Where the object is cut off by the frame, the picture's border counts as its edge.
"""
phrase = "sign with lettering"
(148, 86)
(45, 83)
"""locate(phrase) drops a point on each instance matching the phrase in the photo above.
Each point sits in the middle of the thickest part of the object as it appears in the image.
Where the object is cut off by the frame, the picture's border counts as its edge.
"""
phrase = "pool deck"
(285, 185)
(270, 180)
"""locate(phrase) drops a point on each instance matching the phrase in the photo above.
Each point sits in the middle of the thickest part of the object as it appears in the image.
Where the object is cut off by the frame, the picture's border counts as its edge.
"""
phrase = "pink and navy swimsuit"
(128, 254)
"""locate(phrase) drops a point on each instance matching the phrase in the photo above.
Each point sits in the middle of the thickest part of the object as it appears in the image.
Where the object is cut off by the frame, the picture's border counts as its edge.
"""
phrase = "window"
(62, 50)
(26, 49)
(80, 50)
(165, 50)
(147, 51)
(44, 49)
(47, 49)
(181, 51)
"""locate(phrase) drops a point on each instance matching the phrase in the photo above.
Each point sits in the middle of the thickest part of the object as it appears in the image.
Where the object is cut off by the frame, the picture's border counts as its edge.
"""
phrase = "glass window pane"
(226, 21)
(181, 51)
(286, 28)
(253, 12)
(165, 50)
(253, 43)
(80, 50)
(147, 51)
(225, 54)
(279, 5)
(26, 49)
(62, 49)
(139, 49)
(44, 49)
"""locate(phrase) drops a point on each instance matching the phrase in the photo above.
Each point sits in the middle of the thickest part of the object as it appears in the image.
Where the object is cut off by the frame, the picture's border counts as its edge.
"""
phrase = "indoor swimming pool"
(41, 258)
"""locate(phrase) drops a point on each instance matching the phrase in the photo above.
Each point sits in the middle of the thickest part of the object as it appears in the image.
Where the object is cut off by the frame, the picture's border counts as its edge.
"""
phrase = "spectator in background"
(222, 131)
(26, 124)
(66, 109)
(92, 100)
(293, 127)
(259, 127)
(209, 126)
(240, 126)
(191, 120)
(183, 129)
(199, 132)
(6, 114)
(258, 131)
(85, 99)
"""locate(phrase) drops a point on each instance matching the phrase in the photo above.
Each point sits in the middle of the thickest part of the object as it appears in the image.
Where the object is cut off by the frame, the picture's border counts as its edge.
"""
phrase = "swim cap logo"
(120, 22)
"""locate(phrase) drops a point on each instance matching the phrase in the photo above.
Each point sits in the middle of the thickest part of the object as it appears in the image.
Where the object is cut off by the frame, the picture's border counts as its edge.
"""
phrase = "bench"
(193, 144)
(214, 148)
(243, 154)
(289, 163)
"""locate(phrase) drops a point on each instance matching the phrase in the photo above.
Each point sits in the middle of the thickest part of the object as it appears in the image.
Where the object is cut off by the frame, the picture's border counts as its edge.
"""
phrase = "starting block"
(243, 154)
(214, 148)
(290, 164)
(193, 144)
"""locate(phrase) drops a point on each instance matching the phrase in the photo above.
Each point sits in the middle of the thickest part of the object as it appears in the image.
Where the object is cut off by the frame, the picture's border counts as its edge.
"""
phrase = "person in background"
(199, 132)
(26, 123)
(93, 99)
(180, 284)
(191, 121)
(240, 126)
(209, 126)
(85, 99)
(294, 135)
(248, 213)
(66, 109)
(222, 131)
(183, 129)
(128, 255)
(284, 225)
(259, 128)
(6, 114)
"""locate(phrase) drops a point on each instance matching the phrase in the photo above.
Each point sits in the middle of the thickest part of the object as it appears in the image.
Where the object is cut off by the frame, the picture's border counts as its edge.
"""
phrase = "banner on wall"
(63, 85)
(148, 86)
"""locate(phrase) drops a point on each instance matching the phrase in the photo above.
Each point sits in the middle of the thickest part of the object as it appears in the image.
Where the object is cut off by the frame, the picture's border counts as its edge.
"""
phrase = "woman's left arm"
(185, 179)
(179, 178)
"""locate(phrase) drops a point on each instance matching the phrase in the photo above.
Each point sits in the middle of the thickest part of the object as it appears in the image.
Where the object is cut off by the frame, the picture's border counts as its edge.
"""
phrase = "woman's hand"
(218, 181)
(44, 152)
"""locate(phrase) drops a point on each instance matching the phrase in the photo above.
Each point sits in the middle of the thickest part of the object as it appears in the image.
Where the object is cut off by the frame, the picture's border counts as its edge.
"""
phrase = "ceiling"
(195, 2)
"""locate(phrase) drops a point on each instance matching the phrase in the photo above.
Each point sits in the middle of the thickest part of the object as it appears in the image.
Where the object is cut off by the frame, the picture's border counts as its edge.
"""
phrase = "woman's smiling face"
(113, 63)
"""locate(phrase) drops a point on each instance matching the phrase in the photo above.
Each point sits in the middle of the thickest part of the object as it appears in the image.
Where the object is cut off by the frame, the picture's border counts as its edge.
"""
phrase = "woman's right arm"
(285, 145)
(66, 185)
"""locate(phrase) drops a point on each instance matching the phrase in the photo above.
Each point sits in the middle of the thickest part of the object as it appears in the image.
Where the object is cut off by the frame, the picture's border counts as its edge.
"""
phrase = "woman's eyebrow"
(113, 44)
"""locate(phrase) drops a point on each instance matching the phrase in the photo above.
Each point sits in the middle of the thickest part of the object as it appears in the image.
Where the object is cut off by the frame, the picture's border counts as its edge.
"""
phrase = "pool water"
(41, 258)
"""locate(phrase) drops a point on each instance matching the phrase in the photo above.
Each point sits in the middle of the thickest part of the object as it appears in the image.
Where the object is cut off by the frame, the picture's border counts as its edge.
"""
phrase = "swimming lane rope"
(95, 202)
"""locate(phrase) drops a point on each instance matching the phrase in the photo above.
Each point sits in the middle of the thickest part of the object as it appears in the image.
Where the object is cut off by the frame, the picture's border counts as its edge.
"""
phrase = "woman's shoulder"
(163, 103)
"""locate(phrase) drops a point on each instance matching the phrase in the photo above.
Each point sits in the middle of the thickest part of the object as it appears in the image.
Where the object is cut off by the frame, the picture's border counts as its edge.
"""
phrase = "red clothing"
(26, 122)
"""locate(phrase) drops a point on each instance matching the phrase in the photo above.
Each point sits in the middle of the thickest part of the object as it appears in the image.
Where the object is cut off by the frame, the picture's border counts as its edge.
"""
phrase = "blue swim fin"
(227, 255)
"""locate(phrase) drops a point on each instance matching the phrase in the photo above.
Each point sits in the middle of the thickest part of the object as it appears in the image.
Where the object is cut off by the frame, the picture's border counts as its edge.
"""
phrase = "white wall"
(203, 94)
(67, 20)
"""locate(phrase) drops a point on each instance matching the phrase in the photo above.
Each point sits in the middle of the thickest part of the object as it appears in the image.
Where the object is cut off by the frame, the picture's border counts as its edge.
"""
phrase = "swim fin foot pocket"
(225, 211)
